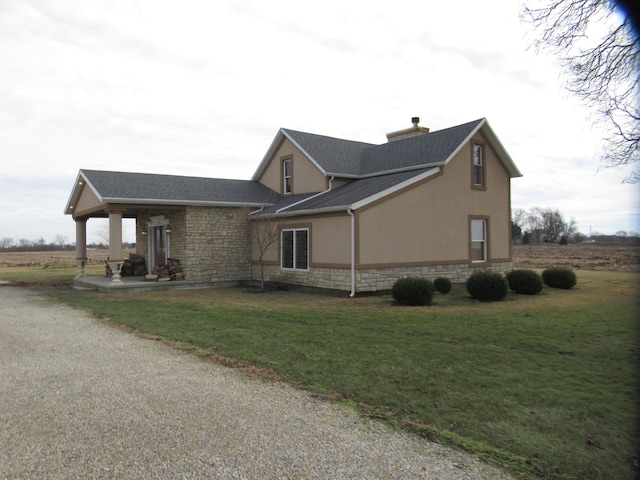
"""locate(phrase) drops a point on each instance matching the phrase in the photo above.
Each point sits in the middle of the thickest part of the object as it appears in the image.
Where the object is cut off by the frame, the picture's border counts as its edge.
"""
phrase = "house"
(348, 215)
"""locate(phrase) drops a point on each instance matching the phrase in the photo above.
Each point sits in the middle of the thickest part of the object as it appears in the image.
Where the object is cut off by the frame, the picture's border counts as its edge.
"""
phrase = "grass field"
(545, 386)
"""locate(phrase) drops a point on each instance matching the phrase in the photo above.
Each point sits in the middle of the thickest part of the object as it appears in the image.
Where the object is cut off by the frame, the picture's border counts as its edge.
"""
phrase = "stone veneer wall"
(370, 279)
(218, 246)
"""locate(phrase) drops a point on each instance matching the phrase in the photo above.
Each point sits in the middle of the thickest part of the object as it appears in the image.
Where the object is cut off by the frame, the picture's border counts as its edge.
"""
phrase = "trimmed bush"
(413, 291)
(559, 277)
(524, 281)
(442, 285)
(487, 286)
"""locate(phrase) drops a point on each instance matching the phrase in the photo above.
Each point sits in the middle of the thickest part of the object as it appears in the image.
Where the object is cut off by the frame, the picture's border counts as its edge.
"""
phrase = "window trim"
(294, 253)
(284, 161)
(482, 167)
(484, 241)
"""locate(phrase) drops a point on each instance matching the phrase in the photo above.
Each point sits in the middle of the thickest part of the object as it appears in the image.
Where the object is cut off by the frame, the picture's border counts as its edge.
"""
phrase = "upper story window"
(286, 176)
(294, 249)
(478, 165)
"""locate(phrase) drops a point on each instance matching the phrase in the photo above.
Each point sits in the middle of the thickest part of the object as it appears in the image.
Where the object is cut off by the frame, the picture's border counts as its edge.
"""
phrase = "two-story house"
(347, 215)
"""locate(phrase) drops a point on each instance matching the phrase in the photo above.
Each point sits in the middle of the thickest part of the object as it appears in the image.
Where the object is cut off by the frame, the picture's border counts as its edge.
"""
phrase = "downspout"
(353, 252)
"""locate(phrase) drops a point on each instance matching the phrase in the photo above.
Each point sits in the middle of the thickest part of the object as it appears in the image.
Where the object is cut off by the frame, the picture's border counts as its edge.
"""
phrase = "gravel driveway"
(82, 399)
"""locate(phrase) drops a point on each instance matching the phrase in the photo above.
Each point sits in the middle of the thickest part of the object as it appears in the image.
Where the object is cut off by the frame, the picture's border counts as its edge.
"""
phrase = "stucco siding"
(86, 202)
(330, 240)
(429, 222)
(306, 176)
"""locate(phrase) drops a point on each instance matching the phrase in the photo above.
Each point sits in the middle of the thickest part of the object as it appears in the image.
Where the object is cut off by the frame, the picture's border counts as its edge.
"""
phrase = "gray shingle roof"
(333, 155)
(174, 189)
(374, 169)
(345, 195)
(357, 159)
(429, 149)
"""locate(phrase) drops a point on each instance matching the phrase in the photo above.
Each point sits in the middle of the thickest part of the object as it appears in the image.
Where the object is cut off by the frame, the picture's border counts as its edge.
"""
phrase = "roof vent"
(414, 131)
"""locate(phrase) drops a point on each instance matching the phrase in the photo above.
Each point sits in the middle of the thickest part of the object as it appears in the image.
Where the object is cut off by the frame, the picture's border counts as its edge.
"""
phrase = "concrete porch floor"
(132, 284)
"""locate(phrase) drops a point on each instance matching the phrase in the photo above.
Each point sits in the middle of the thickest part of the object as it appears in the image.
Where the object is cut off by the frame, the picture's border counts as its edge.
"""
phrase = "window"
(478, 165)
(478, 240)
(294, 246)
(286, 176)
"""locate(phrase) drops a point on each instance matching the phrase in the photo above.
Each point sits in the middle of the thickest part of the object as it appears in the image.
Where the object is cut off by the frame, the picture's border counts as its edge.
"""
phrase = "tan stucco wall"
(429, 222)
(306, 176)
(330, 240)
(87, 202)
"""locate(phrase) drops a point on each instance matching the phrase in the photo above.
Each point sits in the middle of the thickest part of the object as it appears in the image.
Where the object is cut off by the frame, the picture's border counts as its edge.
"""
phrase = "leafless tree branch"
(604, 70)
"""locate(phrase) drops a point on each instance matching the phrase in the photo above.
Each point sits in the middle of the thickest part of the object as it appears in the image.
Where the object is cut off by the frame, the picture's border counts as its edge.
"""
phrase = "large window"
(294, 246)
(478, 166)
(286, 176)
(478, 240)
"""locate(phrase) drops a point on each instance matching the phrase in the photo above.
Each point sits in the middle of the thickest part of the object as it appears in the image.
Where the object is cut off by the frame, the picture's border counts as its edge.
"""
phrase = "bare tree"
(61, 240)
(102, 233)
(571, 228)
(6, 242)
(518, 216)
(265, 232)
(597, 43)
(553, 224)
(534, 222)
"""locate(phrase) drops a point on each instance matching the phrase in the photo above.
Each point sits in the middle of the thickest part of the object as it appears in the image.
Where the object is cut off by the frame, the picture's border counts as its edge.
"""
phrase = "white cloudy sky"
(201, 87)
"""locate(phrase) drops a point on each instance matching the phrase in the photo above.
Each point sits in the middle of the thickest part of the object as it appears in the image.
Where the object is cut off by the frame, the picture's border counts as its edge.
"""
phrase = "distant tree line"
(61, 243)
(546, 225)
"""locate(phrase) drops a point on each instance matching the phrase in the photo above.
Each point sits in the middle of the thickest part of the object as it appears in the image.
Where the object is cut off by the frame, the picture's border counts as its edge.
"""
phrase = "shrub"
(559, 277)
(487, 286)
(524, 281)
(413, 291)
(442, 285)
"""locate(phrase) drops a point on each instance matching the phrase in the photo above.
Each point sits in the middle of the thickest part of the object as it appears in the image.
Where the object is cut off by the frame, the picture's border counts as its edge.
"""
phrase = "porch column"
(115, 244)
(81, 246)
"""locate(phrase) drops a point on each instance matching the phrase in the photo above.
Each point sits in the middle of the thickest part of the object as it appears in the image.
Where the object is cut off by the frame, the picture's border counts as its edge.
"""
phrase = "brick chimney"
(414, 131)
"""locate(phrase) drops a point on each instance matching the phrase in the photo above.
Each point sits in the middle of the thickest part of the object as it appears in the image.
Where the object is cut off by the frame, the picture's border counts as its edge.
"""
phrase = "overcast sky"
(201, 87)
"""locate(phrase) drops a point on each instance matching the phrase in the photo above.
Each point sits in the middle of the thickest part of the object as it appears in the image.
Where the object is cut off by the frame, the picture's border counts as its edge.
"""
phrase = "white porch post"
(115, 244)
(81, 245)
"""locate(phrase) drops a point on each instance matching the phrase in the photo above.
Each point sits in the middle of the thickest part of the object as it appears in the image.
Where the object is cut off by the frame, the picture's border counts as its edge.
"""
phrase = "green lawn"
(545, 386)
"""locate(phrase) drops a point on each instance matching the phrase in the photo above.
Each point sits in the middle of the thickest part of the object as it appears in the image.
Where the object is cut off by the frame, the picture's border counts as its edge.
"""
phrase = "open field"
(52, 259)
(583, 256)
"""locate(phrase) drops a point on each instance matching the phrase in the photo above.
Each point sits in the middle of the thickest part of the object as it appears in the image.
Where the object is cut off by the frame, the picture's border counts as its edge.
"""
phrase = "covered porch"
(153, 232)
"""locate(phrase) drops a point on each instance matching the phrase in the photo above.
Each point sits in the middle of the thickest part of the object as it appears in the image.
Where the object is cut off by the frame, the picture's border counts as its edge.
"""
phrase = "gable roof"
(350, 159)
(152, 189)
(377, 171)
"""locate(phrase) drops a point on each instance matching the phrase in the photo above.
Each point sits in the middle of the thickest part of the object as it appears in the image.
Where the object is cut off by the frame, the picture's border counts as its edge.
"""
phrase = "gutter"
(353, 252)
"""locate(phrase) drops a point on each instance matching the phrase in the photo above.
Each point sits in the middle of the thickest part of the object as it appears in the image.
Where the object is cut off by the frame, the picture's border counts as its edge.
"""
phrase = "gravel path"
(82, 399)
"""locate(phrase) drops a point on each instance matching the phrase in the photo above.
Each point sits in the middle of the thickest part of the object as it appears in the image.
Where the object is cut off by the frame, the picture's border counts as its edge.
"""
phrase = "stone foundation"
(370, 279)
